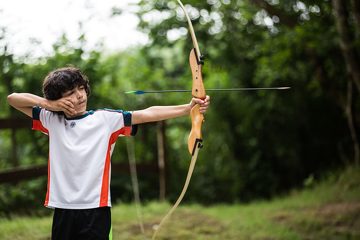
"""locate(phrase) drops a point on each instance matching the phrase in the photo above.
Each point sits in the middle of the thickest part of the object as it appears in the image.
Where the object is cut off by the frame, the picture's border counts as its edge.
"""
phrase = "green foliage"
(262, 143)
(256, 144)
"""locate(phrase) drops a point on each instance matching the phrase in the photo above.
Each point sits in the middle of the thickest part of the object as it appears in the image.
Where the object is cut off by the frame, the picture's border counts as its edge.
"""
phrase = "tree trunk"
(356, 15)
(349, 116)
(160, 135)
(346, 41)
(134, 180)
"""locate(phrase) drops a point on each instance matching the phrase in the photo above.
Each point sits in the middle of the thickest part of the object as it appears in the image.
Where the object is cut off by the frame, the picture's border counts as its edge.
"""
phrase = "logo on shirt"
(72, 124)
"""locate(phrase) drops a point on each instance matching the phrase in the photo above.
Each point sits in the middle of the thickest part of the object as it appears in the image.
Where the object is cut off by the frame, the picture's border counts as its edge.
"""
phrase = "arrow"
(140, 92)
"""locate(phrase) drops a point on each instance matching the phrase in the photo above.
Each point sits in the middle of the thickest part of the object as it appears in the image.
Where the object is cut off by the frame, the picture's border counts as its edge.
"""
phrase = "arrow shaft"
(247, 89)
(139, 92)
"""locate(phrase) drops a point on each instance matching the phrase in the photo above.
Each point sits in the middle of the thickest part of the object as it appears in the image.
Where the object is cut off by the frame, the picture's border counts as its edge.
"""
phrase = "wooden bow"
(197, 118)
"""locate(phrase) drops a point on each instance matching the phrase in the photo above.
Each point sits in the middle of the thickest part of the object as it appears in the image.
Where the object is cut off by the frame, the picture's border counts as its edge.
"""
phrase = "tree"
(272, 141)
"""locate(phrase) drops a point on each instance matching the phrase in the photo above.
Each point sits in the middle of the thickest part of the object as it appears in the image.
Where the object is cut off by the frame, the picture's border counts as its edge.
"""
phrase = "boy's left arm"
(159, 113)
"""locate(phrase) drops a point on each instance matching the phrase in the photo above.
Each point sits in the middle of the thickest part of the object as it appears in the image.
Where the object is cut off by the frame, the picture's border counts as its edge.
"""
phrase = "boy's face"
(78, 97)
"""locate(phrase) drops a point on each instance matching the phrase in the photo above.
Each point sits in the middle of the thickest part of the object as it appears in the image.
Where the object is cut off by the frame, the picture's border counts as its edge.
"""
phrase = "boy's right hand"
(65, 105)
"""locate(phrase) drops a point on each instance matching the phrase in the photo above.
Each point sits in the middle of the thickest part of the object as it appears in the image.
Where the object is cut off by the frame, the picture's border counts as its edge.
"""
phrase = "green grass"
(326, 210)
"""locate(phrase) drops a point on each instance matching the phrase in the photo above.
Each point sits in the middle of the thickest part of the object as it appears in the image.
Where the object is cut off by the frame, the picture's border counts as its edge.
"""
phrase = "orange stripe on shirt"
(37, 125)
(104, 196)
(48, 185)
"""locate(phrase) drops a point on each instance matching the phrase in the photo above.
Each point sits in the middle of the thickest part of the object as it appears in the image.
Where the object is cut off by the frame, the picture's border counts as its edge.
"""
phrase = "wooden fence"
(20, 173)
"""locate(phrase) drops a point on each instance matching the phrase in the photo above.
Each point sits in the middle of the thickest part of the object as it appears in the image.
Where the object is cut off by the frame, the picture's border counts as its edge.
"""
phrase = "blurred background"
(258, 145)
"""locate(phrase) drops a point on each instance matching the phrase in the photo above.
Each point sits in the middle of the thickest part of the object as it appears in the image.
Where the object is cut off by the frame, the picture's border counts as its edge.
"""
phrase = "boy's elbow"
(10, 98)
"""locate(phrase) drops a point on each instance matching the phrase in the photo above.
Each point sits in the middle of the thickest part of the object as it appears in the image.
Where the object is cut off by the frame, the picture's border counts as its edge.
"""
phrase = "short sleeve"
(41, 119)
(119, 121)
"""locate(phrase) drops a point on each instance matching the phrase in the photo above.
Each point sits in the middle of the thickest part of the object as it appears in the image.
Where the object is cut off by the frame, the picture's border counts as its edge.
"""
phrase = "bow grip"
(195, 136)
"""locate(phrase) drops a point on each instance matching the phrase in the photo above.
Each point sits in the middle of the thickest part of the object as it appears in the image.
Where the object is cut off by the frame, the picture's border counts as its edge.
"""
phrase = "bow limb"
(192, 32)
(182, 194)
(197, 118)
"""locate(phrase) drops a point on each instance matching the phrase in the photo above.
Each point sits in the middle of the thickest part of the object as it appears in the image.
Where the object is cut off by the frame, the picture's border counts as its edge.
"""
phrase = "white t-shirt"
(80, 149)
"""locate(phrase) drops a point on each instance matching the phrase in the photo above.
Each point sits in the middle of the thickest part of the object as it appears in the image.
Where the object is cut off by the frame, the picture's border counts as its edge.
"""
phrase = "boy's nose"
(78, 94)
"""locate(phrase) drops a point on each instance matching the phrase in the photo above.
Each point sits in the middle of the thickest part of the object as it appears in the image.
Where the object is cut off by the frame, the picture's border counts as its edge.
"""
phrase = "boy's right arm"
(25, 102)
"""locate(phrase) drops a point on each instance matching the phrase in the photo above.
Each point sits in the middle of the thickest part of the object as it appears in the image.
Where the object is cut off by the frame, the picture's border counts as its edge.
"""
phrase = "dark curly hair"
(61, 80)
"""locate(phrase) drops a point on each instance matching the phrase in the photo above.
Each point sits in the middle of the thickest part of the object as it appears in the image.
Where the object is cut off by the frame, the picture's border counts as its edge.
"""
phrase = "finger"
(67, 113)
(198, 101)
(206, 102)
(205, 105)
(203, 109)
(70, 112)
(70, 99)
(69, 103)
(66, 107)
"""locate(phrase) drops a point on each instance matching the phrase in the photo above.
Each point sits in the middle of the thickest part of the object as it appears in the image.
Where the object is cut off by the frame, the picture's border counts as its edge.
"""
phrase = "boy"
(80, 144)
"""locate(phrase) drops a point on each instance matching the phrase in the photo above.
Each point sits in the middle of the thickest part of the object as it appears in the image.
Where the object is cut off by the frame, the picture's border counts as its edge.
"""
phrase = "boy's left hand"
(204, 104)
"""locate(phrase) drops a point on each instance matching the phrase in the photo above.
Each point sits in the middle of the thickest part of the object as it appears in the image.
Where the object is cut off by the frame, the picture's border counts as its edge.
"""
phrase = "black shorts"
(78, 224)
